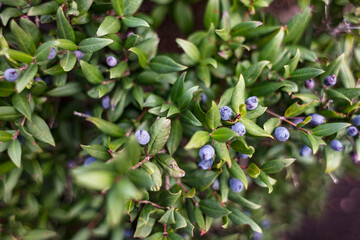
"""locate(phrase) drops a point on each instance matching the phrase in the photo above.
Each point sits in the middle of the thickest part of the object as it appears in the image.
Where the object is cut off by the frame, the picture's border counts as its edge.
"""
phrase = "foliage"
(53, 117)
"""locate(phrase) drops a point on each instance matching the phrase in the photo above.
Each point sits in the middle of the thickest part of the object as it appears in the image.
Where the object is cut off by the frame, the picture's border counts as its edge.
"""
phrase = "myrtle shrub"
(104, 137)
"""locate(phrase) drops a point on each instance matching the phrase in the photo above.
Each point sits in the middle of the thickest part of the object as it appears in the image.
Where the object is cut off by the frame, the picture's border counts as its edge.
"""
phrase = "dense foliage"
(104, 137)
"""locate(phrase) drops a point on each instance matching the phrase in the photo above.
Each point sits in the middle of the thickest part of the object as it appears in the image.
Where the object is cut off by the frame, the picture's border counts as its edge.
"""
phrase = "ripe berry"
(316, 119)
(89, 160)
(239, 128)
(52, 53)
(305, 151)
(236, 185)
(48, 80)
(257, 236)
(216, 185)
(241, 155)
(251, 103)
(203, 98)
(356, 120)
(298, 120)
(352, 131)
(336, 145)
(205, 164)
(206, 152)
(330, 81)
(142, 136)
(105, 102)
(11, 74)
(79, 54)
(282, 134)
(111, 61)
(225, 113)
(309, 84)
(36, 79)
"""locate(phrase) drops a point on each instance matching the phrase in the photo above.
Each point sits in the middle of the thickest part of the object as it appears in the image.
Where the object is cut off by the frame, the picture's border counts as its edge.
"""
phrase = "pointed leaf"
(64, 29)
(14, 152)
(40, 130)
(22, 104)
(164, 64)
(159, 134)
(212, 208)
(110, 24)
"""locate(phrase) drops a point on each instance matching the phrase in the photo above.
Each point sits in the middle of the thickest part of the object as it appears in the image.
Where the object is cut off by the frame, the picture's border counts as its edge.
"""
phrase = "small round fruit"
(20, 138)
(89, 160)
(336, 145)
(251, 103)
(257, 236)
(305, 151)
(216, 185)
(52, 53)
(203, 98)
(241, 155)
(142, 136)
(206, 152)
(239, 128)
(48, 80)
(105, 102)
(282, 134)
(330, 81)
(111, 61)
(309, 84)
(79, 54)
(316, 119)
(225, 113)
(356, 120)
(205, 164)
(11, 74)
(352, 131)
(236, 185)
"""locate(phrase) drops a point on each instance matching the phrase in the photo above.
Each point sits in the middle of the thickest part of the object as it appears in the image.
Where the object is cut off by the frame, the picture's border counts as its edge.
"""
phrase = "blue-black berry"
(52, 53)
(225, 113)
(20, 138)
(105, 102)
(236, 185)
(316, 119)
(282, 134)
(330, 81)
(251, 103)
(206, 152)
(336, 145)
(352, 131)
(203, 98)
(79, 54)
(142, 136)
(216, 185)
(111, 61)
(241, 155)
(89, 160)
(305, 151)
(356, 120)
(48, 80)
(205, 164)
(257, 236)
(309, 84)
(239, 128)
(11, 74)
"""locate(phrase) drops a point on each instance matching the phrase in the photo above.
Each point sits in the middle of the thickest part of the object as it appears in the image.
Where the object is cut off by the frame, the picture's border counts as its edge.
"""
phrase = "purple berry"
(257, 236)
(52, 53)
(89, 160)
(206, 152)
(356, 120)
(36, 79)
(203, 98)
(79, 54)
(205, 164)
(20, 138)
(142, 136)
(298, 120)
(216, 185)
(309, 84)
(265, 223)
(48, 80)
(128, 234)
(105, 102)
(111, 61)
(236, 185)
(225, 113)
(282, 134)
(354, 157)
(241, 155)
(71, 164)
(11, 74)
(239, 128)
(336, 145)
(305, 151)
(330, 81)
(352, 131)
(129, 34)
(316, 119)
(251, 103)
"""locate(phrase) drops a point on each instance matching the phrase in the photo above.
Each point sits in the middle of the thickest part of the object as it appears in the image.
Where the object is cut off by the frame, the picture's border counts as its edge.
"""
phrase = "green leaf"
(253, 129)
(66, 44)
(272, 48)
(68, 61)
(199, 179)
(177, 89)
(118, 5)
(265, 179)
(310, 140)
(253, 72)
(64, 29)
(145, 223)
(5, 136)
(44, 9)
(114, 204)
(180, 221)
(22, 104)
(141, 56)
(328, 129)
(43, 51)
(14, 152)
(40, 234)
(89, 45)
(305, 73)
(294, 61)
(182, 14)
(40, 130)
(331, 94)
(332, 159)
(277, 165)
(222, 152)
(174, 137)
(167, 198)
(25, 78)
(239, 144)
(296, 109)
(169, 164)
(164, 64)
(31, 29)
(106, 127)
(333, 67)
(91, 72)
(199, 218)
(190, 49)
(186, 98)
(297, 25)
(69, 89)
(212, 13)
(188, 117)
(7, 88)
(168, 217)
(238, 96)
(223, 134)
(134, 22)
(212, 208)
(8, 113)
(240, 218)
(253, 170)
(243, 201)
(199, 139)
(213, 116)
(9, 13)
(252, 114)
(243, 28)
(131, 6)
(119, 70)
(159, 134)
(98, 151)
(271, 124)
(236, 172)
(110, 24)
(266, 88)
(19, 56)
(23, 41)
